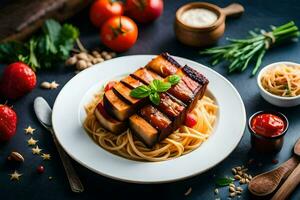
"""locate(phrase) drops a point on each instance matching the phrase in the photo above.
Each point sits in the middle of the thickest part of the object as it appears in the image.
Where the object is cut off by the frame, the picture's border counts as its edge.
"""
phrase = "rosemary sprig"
(242, 52)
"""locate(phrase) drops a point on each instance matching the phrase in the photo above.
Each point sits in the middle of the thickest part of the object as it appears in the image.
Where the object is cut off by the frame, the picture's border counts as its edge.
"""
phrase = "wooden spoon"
(293, 180)
(266, 183)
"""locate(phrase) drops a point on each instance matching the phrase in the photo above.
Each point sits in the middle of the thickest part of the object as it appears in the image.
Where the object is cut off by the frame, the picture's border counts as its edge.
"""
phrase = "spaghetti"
(181, 142)
(282, 80)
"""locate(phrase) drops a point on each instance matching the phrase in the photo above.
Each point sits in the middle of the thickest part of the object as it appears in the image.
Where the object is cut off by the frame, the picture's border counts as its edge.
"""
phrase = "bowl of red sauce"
(267, 131)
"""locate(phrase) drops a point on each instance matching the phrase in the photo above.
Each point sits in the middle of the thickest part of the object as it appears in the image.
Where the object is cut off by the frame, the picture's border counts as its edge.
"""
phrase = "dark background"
(153, 39)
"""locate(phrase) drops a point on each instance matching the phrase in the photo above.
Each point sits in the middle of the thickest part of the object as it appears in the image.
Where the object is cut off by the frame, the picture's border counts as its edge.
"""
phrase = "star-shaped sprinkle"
(31, 142)
(15, 176)
(36, 150)
(53, 85)
(29, 130)
(46, 156)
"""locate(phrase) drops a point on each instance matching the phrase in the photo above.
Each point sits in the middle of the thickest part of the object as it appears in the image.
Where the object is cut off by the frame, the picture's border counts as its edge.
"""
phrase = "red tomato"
(190, 120)
(102, 10)
(119, 33)
(144, 11)
(109, 85)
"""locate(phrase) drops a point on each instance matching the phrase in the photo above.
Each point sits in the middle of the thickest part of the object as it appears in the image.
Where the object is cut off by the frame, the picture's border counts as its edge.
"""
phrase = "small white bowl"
(274, 99)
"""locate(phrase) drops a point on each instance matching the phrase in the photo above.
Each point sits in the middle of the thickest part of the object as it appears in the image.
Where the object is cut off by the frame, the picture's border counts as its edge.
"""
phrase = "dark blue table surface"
(153, 39)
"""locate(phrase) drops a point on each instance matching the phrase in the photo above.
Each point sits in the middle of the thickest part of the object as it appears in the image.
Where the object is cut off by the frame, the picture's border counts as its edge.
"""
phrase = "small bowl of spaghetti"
(279, 84)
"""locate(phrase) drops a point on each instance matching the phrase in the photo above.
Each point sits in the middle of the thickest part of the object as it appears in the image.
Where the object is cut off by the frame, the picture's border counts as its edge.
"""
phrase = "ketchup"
(267, 125)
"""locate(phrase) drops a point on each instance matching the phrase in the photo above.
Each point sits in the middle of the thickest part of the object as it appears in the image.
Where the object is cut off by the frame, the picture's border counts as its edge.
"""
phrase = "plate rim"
(170, 179)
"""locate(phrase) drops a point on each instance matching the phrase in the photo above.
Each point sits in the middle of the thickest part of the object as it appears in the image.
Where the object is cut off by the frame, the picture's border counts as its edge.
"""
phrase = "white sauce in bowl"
(199, 17)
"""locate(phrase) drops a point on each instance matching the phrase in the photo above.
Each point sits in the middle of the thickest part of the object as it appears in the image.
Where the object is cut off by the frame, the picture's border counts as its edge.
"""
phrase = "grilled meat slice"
(145, 75)
(124, 93)
(116, 107)
(143, 130)
(164, 65)
(109, 122)
(131, 82)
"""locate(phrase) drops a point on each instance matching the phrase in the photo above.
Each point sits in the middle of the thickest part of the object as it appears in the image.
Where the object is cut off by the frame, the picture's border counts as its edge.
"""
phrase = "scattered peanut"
(237, 177)
(84, 60)
(46, 85)
(231, 189)
(15, 156)
(233, 194)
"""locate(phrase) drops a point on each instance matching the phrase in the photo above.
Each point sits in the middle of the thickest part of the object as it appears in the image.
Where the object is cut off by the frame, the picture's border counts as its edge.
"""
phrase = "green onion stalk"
(240, 53)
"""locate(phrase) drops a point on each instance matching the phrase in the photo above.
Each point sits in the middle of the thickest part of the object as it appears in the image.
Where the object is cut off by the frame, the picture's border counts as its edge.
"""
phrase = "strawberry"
(17, 80)
(8, 123)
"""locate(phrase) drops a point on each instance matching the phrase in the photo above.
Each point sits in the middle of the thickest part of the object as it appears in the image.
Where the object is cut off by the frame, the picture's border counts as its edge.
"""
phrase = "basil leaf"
(224, 181)
(154, 98)
(140, 92)
(173, 79)
(161, 86)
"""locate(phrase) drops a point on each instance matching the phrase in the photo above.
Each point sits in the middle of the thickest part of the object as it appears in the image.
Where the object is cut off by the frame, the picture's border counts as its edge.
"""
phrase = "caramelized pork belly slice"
(145, 75)
(195, 75)
(109, 122)
(163, 64)
(131, 82)
(123, 92)
(116, 107)
(143, 130)
(171, 106)
(156, 118)
(182, 92)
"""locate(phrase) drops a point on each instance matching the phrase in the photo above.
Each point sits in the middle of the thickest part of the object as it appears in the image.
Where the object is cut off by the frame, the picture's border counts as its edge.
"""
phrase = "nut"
(45, 85)
(89, 64)
(112, 54)
(107, 57)
(96, 54)
(240, 173)
(238, 192)
(237, 177)
(216, 191)
(243, 181)
(100, 60)
(81, 65)
(239, 189)
(233, 194)
(82, 56)
(71, 61)
(104, 53)
(231, 185)
(233, 171)
(231, 189)
(238, 168)
(15, 156)
(90, 57)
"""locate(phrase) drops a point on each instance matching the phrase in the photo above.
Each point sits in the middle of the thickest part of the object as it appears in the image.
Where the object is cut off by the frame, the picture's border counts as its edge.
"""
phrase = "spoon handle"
(260, 185)
(74, 181)
(233, 10)
(289, 185)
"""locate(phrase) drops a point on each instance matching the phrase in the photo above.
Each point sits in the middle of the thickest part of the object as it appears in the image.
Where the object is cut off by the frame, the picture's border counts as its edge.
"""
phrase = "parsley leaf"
(224, 181)
(45, 50)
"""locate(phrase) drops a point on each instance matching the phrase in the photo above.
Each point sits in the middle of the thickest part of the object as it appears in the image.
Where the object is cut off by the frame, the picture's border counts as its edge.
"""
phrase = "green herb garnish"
(224, 181)
(154, 88)
(45, 50)
(241, 52)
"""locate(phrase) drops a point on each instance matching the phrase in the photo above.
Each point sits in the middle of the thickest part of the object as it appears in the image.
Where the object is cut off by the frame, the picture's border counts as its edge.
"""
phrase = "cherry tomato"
(144, 11)
(190, 120)
(102, 10)
(109, 85)
(40, 169)
(119, 33)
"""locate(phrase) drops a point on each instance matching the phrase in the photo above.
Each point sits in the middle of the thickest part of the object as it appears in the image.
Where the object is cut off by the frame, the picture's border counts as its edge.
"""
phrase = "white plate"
(68, 115)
